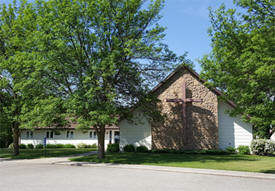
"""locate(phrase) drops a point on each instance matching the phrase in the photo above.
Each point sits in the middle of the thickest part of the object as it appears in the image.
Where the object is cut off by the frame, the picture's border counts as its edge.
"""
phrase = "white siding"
(137, 132)
(78, 137)
(272, 137)
(232, 131)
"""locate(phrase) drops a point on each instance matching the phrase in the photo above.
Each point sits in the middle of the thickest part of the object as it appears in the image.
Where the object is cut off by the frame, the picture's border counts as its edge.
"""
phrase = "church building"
(196, 118)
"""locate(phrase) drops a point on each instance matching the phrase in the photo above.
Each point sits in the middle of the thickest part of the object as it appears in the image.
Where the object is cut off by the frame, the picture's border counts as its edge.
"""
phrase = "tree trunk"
(101, 144)
(15, 132)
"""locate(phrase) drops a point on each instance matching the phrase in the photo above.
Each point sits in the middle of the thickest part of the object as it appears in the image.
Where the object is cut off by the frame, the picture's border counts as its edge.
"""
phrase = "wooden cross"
(184, 100)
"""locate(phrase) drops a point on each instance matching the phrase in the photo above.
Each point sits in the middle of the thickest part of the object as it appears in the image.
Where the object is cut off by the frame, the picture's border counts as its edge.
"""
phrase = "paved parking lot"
(41, 176)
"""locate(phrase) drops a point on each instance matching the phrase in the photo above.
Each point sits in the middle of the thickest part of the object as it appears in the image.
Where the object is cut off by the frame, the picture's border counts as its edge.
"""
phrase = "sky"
(187, 23)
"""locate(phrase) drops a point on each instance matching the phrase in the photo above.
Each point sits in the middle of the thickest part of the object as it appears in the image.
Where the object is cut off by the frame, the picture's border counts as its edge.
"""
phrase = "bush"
(142, 149)
(82, 146)
(39, 146)
(220, 152)
(11, 146)
(94, 146)
(30, 146)
(262, 147)
(51, 146)
(129, 148)
(69, 146)
(113, 148)
(243, 150)
(59, 146)
(22, 146)
(230, 150)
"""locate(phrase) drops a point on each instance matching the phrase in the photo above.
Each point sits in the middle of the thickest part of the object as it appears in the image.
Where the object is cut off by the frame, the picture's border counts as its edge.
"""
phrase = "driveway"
(41, 174)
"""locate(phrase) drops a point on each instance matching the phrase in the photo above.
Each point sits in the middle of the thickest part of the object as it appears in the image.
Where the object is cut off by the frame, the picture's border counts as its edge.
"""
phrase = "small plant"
(11, 146)
(230, 150)
(113, 148)
(69, 146)
(82, 146)
(244, 150)
(129, 148)
(22, 146)
(30, 146)
(262, 147)
(142, 149)
(39, 146)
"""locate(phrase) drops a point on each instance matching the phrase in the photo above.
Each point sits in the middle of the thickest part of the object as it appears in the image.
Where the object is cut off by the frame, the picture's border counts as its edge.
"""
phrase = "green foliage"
(51, 146)
(11, 146)
(262, 147)
(62, 60)
(5, 133)
(39, 146)
(22, 146)
(230, 150)
(241, 63)
(243, 149)
(113, 147)
(69, 146)
(83, 145)
(30, 146)
(129, 148)
(59, 145)
(142, 149)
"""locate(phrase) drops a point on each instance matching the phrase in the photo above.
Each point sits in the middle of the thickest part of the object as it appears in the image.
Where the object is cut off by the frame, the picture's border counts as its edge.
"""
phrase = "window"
(49, 134)
(31, 134)
(72, 134)
(28, 134)
(92, 134)
(68, 134)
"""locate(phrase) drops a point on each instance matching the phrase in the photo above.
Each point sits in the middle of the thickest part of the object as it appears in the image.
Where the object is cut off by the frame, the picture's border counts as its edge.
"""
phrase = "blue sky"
(187, 22)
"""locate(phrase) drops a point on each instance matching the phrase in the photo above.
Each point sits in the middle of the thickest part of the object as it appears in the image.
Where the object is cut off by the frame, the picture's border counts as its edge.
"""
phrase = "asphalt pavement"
(58, 174)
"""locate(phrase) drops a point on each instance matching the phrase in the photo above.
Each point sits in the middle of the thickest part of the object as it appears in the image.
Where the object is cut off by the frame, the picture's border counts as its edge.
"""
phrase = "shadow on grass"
(40, 153)
(271, 171)
(147, 158)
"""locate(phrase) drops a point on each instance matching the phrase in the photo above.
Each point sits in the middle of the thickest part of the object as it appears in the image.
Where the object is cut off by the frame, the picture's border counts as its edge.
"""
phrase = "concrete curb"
(173, 169)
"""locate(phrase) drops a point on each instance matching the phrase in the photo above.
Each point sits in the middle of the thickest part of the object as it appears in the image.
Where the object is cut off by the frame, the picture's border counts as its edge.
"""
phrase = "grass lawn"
(236, 162)
(39, 153)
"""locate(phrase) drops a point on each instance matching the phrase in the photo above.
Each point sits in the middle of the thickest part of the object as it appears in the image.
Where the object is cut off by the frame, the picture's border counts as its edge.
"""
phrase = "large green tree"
(98, 59)
(20, 85)
(242, 61)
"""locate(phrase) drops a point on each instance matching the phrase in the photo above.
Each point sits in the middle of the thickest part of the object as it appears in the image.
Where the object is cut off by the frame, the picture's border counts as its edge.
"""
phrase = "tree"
(242, 60)
(19, 81)
(97, 60)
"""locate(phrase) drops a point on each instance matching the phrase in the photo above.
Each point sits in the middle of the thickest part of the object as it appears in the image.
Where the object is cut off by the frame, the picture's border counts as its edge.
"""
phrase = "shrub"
(59, 146)
(219, 151)
(82, 146)
(22, 146)
(51, 146)
(262, 147)
(242, 149)
(142, 149)
(39, 146)
(11, 146)
(69, 146)
(129, 148)
(113, 148)
(30, 146)
(230, 150)
(94, 146)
